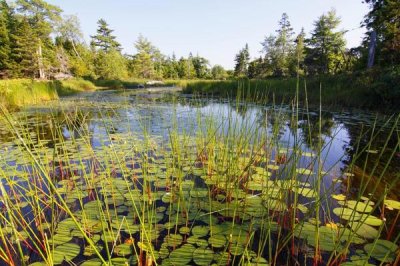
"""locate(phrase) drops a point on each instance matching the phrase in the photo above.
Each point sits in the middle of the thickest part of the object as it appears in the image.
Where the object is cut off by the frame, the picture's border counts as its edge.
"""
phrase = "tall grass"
(150, 197)
(22, 92)
(71, 86)
(379, 90)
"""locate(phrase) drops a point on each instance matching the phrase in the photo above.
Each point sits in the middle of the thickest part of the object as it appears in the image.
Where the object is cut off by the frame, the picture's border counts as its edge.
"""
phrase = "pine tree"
(43, 19)
(5, 49)
(104, 39)
(279, 48)
(297, 60)
(242, 62)
(327, 45)
(24, 51)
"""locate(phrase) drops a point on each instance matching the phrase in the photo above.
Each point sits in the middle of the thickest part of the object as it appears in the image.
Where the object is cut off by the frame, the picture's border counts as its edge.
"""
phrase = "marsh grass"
(24, 92)
(373, 89)
(219, 189)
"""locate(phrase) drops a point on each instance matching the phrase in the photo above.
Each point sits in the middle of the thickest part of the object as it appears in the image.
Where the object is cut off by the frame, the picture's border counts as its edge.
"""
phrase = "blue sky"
(215, 29)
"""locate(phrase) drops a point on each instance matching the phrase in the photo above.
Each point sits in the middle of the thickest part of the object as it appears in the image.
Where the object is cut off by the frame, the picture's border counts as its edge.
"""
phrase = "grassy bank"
(20, 92)
(370, 89)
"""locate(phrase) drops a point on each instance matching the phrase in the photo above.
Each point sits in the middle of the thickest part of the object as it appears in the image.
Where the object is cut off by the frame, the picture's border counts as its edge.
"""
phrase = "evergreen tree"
(279, 48)
(256, 68)
(242, 62)
(104, 39)
(5, 49)
(297, 61)
(24, 51)
(43, 18)
(325, 54)
(148, 62)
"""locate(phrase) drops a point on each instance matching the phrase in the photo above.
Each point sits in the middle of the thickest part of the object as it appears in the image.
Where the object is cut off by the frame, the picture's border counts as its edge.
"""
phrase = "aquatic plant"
(103, 184)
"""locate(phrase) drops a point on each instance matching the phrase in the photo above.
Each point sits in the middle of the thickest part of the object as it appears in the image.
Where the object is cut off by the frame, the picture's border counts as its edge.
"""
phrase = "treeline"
(323, 51)
(38, 41)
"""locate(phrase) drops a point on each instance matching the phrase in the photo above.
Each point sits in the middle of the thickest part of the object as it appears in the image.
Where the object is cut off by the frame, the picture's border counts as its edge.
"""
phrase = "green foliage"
(326, 46)
(373, 89)
(218, 72)
(200, 65)
(110, 65)
(104, 40)
(5, 48)
(279, 49)
(242, 62)
(24, 57)
(147, 62)
(384, 19)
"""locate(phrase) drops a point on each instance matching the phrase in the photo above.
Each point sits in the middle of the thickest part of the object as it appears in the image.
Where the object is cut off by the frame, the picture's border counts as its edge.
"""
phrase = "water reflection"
(106, 113)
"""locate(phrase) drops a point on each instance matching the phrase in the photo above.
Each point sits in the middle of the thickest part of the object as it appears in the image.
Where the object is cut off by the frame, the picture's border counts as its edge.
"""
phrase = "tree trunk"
(371, 50)
(40, 61)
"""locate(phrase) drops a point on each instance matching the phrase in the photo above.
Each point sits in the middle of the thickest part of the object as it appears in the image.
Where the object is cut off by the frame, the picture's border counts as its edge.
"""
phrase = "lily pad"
(66, 252)
(182, 255)
(394, 204)
(217, 241)
(347, 214)
(200, 231)
(203, 256)
(382, 250)
(123, 250)
(364, 230)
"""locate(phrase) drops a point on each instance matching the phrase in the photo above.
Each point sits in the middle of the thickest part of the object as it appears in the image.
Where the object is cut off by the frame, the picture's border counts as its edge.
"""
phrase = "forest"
(39, 41)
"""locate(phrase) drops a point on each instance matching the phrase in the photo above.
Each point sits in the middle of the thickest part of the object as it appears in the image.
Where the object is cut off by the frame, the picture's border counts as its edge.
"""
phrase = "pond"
(139, 178)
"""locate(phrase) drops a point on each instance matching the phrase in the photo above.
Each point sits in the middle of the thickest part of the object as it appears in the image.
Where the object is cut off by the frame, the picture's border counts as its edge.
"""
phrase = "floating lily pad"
(394, 204)
(90, 251)
(66, 252)
(371, 220)
(382, 250)
(59, 239)
(173, 240)
(182, 255)
(200, 231)
(184, 230)
(364, 230)
(347, 214)
(340, 197)
(123, 250)
(217, 241)
(203, 256)
(359, 206)
(237, 250)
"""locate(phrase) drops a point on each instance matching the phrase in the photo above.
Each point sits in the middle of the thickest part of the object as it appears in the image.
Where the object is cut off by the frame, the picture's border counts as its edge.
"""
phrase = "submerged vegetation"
(116, 182)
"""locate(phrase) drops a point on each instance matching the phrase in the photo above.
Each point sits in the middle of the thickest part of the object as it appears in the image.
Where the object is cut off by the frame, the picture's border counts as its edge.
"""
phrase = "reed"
(222, 188)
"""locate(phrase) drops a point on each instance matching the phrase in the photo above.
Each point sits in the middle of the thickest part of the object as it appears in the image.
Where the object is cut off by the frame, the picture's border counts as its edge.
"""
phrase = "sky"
(214, 29)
